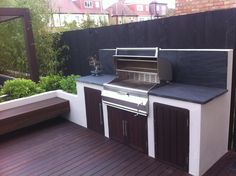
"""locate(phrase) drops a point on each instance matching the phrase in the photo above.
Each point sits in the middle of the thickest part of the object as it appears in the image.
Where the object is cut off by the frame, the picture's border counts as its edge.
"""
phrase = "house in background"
(68, 11)
(141, 10)
(187, 7)
(157, 9)
(122, 12)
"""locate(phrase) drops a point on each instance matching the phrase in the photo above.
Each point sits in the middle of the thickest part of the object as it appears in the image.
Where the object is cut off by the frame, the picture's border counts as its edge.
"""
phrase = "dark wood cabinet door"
(116, 124)
(127, 128)
(136, 127)
(93, 101)
(172, 135)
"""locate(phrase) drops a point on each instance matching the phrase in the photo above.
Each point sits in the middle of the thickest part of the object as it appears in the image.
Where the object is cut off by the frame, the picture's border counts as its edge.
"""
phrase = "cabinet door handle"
(126, 133)
(123, 127)
(100, 114)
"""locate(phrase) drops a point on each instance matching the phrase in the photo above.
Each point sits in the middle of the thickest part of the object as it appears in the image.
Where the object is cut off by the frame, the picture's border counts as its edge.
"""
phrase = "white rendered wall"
(81, 118)
(77, 104)
(214, 132)
(27, 100)
(73, 115)
(215, 125)
(194, 127)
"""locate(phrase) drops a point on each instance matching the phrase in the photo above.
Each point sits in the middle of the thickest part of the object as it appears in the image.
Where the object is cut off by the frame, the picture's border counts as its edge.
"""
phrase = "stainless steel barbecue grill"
(138, 70)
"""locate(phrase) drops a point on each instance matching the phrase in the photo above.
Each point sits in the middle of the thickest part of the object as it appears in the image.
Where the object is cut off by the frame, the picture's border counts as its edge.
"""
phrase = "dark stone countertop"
(97, 80)
(190, 93)
(184, 92)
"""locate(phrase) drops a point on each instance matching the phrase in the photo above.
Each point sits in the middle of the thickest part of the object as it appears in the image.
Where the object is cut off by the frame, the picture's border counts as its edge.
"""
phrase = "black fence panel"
(208, 30)
(203, 30)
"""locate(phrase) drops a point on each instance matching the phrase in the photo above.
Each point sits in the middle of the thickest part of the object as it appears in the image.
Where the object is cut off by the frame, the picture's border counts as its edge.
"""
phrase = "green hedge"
(19, 88)
(49, 83)
(68, 84)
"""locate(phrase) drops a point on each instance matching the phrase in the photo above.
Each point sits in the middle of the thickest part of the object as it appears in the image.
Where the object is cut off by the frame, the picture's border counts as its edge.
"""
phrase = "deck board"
(58, 147)
(226, 166)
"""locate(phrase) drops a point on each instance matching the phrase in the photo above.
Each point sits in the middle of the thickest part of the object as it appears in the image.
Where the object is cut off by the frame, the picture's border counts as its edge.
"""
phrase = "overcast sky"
(171, 3)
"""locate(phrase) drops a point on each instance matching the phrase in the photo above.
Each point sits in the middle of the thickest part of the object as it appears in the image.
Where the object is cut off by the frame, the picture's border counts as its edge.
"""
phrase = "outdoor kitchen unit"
(138, 70)
(171, 104)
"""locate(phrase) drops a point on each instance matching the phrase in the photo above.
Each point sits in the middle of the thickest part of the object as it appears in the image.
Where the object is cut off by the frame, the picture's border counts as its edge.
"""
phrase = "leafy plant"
(68, 84)
(51, 82)
(19, 88)
(88, 22)
(48, 51)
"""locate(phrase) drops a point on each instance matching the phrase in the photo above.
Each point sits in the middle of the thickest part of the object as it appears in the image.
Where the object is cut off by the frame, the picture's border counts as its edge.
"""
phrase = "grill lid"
(138, 71)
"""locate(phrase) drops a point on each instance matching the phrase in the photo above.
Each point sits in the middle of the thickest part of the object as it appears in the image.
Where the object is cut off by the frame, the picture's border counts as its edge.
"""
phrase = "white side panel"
(194, 126)
(80, 117)
(214, 132)
(73, 116)
(215, 125)
(150, 127)
(105, 118)
(27, 100)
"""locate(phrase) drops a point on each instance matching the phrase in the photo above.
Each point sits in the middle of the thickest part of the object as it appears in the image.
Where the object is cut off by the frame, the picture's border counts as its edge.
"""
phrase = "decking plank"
(28, 156)
(110, 163)
(98, 155)
(132, 166)
(56, 162)
(58, 147)
(122, 166)
(30, 149)
(49, 155)
(23, 141)
(150, 169)
(226, 166)
(113, 167)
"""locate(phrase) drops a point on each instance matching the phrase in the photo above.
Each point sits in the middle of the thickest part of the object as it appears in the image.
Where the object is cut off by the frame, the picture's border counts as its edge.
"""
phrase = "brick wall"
(195, 6)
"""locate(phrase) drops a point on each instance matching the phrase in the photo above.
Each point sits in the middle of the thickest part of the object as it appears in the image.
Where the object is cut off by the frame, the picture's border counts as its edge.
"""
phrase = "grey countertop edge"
(101, 80)
(96, 80)
(189, 100)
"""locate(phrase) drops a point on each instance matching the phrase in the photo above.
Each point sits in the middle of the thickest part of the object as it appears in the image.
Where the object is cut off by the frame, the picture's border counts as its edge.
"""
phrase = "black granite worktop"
(97, 80)
(185, 92)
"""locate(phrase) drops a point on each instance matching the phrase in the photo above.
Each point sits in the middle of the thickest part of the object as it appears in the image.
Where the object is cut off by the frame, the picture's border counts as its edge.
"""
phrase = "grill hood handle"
(141, 103)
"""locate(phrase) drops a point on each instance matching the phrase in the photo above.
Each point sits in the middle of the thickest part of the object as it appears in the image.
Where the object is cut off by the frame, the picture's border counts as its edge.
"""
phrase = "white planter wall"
(27, 100)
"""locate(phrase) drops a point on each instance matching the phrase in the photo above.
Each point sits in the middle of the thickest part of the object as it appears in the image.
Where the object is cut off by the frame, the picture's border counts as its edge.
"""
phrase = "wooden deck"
(226, 166)
(59, 147)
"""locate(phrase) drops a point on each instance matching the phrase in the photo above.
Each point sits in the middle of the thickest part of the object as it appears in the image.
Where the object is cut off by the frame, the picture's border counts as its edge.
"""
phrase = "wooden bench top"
(31, 107)
(33, 113)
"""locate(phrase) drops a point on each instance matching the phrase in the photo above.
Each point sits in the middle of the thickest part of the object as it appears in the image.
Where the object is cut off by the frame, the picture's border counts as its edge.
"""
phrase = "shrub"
(68, 84)
(51, 82)
(19, 88)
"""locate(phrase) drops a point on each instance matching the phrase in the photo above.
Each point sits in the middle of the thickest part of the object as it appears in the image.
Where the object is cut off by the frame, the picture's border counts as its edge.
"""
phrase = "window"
(139, 7)
(97, 4)
(147, 8)
(161, 10)
(141, 19)
(88, 4)
(77, 18)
